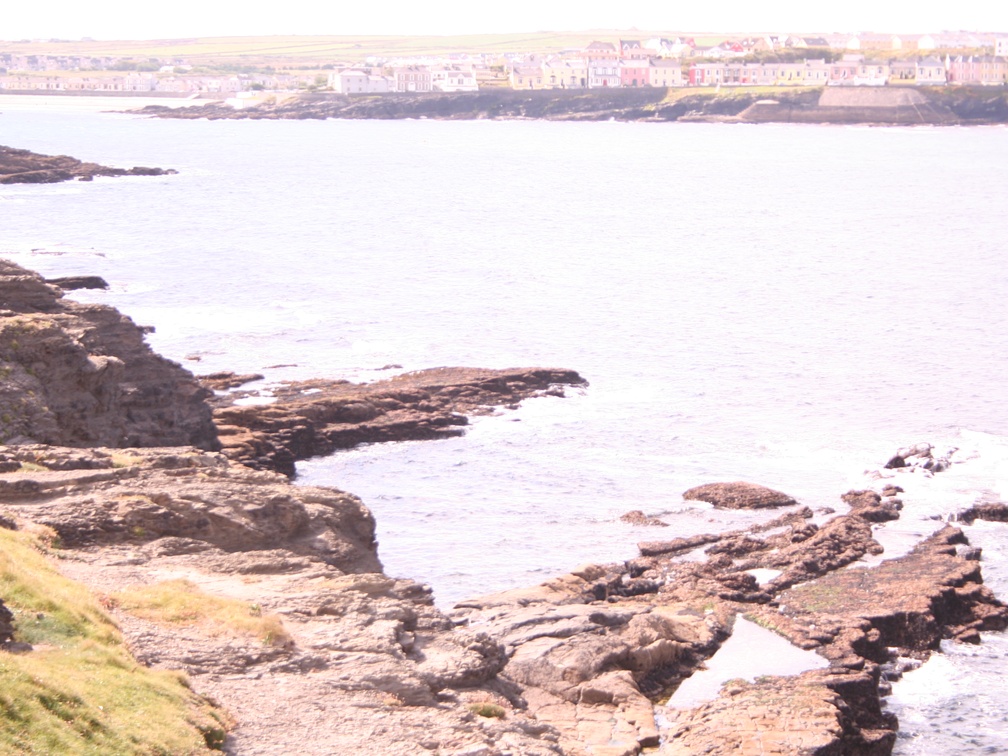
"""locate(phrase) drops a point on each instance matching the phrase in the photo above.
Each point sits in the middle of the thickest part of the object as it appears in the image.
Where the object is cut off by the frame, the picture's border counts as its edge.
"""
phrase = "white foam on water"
(253, 401)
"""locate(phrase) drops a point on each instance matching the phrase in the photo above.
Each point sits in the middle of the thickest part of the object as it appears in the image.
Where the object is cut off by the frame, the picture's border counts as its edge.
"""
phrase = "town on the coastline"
(763, 61)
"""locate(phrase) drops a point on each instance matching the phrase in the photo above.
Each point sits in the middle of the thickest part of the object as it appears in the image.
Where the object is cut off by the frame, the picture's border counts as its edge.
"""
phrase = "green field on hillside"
(307, 50)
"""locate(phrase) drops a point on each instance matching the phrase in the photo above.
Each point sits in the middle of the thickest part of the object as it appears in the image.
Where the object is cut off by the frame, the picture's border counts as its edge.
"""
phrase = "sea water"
(780, 304)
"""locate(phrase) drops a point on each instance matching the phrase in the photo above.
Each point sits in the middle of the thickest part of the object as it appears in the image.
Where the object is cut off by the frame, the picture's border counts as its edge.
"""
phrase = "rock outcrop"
(25, 167)
(589, 650)
(738, 496)
(312, 418)
(359, 662)
(6, 625)
(884, 105)
(81, 375)
(366, 664)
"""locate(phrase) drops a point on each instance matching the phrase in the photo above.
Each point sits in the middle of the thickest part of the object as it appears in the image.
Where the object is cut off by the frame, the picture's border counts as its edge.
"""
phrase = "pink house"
(634, 73)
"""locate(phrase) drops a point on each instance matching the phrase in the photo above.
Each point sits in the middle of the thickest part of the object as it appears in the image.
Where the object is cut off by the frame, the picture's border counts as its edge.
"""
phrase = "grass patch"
(487, 709)
(80, 691)
(33, 467)
(182, 603)
(125, 460)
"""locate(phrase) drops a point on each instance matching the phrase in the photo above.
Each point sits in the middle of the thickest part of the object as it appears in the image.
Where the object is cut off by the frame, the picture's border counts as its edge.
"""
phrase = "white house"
(453, 79)
(355, 81)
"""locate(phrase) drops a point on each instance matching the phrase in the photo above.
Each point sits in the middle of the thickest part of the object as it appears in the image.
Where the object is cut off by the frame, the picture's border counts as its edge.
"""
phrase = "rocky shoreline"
(317, 417)
(25, 167)
(840, 105)
(144, 477)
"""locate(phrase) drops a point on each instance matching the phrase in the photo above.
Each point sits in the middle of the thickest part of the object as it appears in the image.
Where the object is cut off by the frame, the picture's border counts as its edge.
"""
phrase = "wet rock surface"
(25, 167)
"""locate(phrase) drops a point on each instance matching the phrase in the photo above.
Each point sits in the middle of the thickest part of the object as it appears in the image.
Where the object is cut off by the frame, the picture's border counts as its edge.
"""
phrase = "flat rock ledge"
(577, 665)
(317, 417)
(364, 663)
(738, 496)
(25, 167)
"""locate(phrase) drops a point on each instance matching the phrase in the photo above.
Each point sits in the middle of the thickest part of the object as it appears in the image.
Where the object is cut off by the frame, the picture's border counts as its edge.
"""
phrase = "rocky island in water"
(26, 167)
(181, 544)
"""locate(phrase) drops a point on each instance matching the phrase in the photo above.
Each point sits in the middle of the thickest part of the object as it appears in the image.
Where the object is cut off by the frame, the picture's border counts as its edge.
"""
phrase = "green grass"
(290, 51)
(79, 691)
(181, 603)
(487, 709)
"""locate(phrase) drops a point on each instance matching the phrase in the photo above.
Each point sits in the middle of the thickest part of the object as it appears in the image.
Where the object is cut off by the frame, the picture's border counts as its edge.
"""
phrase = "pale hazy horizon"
(121, 20)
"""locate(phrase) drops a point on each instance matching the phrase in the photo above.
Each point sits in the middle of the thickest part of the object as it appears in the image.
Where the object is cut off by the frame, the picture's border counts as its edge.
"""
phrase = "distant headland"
(854, 105)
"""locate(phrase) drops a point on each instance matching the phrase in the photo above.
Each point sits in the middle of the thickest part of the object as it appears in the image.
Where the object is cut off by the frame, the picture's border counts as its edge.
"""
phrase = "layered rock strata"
(363, 663)
(590, 651)
(82, 375)
(368, 664)
(312, 418)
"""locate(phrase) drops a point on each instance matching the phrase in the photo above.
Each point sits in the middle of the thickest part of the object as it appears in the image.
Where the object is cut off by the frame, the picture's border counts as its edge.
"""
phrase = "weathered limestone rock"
(82, 375)
(101, 497)
(795, 716)
(739, 496)
(311, 418)
(370, 651)
(910, 603)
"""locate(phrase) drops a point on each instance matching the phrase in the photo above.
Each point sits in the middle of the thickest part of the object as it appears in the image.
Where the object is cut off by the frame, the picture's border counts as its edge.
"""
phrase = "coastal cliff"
(82, 375)
(874, 105)
(272, 599)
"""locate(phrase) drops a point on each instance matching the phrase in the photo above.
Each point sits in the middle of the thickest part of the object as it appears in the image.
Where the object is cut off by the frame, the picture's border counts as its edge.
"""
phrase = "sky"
(127, 19)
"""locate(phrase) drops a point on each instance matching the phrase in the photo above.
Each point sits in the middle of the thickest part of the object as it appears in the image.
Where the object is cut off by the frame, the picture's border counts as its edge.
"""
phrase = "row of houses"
(855, 70)
(415, 78)
(144, 83)
(597, 68)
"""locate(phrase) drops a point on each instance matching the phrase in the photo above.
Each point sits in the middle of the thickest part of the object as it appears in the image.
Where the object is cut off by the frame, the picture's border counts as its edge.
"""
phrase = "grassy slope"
(80, 691)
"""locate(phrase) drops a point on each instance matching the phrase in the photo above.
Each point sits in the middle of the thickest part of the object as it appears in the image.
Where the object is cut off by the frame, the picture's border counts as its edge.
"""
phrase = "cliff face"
(82, 375)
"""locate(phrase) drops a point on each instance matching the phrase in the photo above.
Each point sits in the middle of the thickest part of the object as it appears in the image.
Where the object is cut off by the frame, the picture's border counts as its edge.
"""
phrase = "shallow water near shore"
(780, 304)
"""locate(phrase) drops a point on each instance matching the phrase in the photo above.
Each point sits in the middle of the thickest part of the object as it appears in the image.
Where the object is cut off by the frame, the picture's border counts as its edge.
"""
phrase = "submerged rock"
(70, 283)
